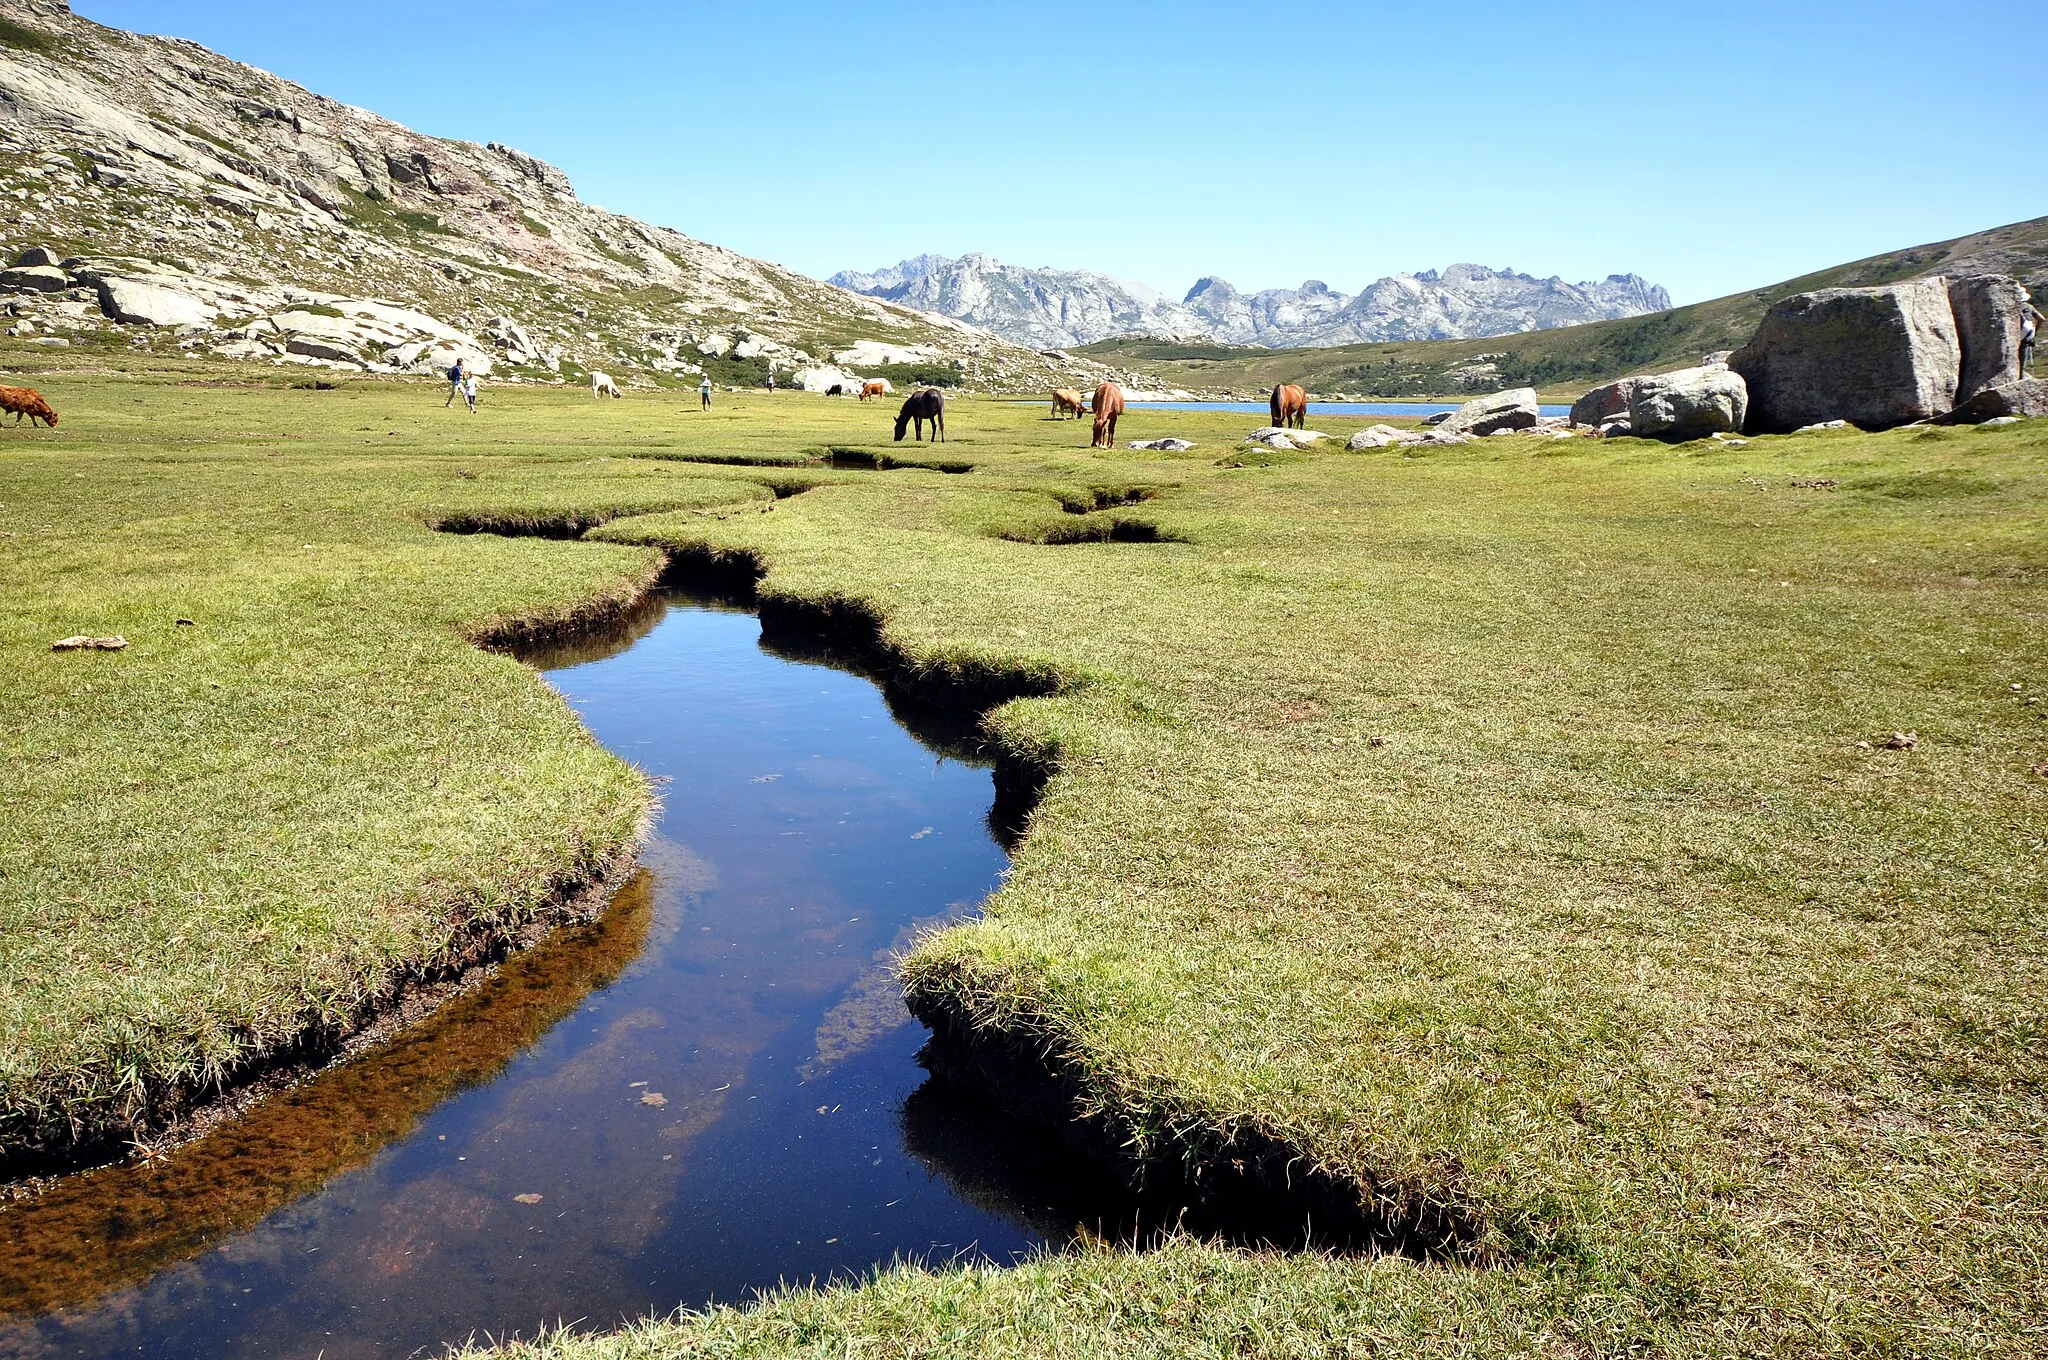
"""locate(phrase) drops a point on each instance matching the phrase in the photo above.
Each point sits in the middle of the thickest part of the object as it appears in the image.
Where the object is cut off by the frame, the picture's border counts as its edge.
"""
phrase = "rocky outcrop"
(2026, 397)
(1688, 404)
(1876, 357)
(1988, 315)
(1515, 409)
(1382, 436)
(1071, 307)
(1604, 404)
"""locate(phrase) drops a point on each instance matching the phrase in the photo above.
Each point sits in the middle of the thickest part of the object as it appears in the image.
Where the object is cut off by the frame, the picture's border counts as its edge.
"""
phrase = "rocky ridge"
(155, 194)
(1051, 307)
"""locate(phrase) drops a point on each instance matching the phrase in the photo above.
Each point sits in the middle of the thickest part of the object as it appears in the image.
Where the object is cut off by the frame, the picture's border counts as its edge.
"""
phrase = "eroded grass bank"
(1510, 829)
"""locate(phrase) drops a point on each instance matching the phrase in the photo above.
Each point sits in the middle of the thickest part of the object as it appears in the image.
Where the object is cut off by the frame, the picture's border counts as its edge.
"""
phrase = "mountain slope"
(1075, 306)
(171, 170)
(1569, 359)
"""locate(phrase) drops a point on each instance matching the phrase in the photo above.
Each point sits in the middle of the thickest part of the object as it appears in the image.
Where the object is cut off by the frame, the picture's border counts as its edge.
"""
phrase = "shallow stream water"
(708, 1091)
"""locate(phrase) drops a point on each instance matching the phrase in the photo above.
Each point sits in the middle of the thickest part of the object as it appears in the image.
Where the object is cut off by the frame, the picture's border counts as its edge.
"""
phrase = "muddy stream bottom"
(709, 1091)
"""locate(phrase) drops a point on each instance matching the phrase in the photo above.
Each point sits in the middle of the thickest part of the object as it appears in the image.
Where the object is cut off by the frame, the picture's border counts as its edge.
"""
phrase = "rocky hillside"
(1044, 307)
(169, 197)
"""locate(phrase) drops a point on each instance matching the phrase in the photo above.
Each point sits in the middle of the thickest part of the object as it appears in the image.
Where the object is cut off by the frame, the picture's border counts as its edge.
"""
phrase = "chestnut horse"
(1109, 404)
(872, 389)
(1067, 402)
(929, 404)
(26, 401)
(1289, 406)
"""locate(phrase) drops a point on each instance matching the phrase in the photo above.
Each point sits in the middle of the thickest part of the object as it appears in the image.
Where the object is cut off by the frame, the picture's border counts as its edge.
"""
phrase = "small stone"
(528, 1198)
(1902, 741)
(82, 643)
(654, 1098)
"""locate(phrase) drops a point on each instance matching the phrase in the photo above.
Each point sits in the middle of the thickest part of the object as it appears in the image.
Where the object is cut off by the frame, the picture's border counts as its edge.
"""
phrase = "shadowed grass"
(1510, 831)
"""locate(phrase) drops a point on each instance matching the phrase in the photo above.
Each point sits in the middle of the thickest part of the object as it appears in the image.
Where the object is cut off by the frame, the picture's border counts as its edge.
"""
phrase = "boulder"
(36, 256)
(136, 302)
(1876, 357)
(1164, 445)
(1689, 403)
(1515, 409)
(1988, 310)
(1603, 404)
(312, 347)
(34, 278)
(1295, 438)
(1438, 418)
(2027, 397)
(823, 379)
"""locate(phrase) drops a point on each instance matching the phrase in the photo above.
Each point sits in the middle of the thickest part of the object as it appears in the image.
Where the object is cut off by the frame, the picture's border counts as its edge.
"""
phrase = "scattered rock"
(1604, 403)
(1438, 418)
(1814, 483)
(528, 1198)
(1823, 425)
(1689, 403)
(1719, 356)
(1515, 409)
(1988, 316)
(1164, 445)
(1616, 429)
(1266, 432)
(36, 256)
(1877, 357)
(1380, 436)
(1902, 741)
(1995, 420)
(654, 1098)
(2027, 397)
(81, 643)
(34, 278)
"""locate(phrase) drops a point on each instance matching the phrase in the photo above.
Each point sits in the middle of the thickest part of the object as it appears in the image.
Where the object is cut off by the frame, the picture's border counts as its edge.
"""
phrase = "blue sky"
(1707, 147)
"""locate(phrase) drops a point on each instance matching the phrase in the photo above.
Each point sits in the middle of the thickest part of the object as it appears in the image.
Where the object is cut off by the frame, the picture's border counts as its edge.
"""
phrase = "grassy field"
(1510, 829)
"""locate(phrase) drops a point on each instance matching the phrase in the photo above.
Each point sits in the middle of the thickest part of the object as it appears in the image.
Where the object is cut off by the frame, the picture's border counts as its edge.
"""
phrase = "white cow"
(601, 385)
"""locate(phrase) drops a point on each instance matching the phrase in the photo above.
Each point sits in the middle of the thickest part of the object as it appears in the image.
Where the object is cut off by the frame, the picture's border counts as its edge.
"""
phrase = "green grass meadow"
(1510, 827)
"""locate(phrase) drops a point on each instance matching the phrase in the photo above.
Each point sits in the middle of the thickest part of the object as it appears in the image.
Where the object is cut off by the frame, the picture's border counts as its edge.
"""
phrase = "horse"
(929, 404)
(873, 389)
(601, 385)
(1109, 404)
(1067, 402)
(26, 401)
(1289, 406)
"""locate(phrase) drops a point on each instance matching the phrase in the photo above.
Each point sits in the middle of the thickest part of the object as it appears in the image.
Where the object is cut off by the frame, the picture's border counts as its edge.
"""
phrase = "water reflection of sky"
(702, 1096)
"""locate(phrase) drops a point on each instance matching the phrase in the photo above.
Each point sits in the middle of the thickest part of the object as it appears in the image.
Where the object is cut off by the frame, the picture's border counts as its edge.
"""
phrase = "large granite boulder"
(36, 255)
(2027, 397)
(1876, 357)
(1515, 409)
(1689, 404)
(34, 278)
(1603, 404)
(1987, 309)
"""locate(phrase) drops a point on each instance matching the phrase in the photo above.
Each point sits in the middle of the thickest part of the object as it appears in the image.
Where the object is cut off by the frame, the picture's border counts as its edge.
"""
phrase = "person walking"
(771, 378)
(457, 372)
(2030, 332)
(469, 390)
(704, 392)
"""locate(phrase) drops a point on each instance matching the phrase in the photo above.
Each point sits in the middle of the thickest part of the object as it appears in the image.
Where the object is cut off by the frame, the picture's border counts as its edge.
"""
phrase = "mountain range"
(1059, 307)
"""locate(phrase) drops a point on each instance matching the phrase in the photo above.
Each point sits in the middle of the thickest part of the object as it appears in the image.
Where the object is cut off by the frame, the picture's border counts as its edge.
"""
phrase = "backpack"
(455, 373)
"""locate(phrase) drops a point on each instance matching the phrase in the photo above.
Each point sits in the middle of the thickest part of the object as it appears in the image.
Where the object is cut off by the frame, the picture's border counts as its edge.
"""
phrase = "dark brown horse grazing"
(1109, 404)
(1289, 406)
(929, 404)
(1067, 402)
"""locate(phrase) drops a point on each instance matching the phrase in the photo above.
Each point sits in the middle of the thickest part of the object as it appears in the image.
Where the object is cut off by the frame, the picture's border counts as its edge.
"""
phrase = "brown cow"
(872, 389)
(26, 401)
(1289, 406)
(1109, 404)
(1067, 402)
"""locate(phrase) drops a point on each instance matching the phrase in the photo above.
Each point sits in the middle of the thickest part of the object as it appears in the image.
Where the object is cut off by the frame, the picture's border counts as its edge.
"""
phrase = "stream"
(709, 1090)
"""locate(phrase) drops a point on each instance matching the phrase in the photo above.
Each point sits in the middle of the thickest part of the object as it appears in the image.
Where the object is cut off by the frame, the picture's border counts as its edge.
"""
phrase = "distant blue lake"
(1415, 409)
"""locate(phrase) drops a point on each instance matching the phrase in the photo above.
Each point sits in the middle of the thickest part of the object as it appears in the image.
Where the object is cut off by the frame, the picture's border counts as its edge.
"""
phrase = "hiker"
(704, 392)
(771, 380)
(469, 390)
(457, 372)
(2030, 321)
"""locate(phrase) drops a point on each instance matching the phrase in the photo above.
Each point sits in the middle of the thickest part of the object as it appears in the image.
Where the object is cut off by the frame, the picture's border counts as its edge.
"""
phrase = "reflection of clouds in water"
(873, 1005)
